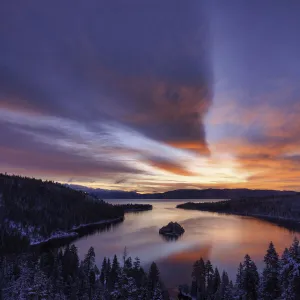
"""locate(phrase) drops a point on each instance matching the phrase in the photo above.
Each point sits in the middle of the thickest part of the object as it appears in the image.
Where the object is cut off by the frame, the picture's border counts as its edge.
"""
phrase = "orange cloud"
(272, 164)
(170, 167)
(171, 112)
(53, 163)
(195, 146)
(262, 135)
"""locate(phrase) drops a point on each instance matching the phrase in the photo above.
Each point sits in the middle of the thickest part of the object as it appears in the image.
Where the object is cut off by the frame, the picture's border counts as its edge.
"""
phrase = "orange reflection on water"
(190, 255)
(224, 239)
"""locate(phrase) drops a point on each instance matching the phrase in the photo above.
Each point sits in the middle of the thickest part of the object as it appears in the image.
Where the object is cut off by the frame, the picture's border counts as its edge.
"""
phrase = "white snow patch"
(54, 236)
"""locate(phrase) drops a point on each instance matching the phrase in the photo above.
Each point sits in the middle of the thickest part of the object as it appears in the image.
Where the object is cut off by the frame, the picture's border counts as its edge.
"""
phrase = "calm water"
(221, 238)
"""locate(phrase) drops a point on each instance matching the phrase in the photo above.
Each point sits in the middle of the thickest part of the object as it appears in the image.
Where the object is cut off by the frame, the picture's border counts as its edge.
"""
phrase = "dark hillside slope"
(35, 210)
(280, 207)
(217, 194)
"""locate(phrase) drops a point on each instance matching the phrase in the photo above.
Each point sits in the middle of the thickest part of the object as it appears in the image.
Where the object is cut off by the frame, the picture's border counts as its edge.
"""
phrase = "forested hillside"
(60, 275)
(32, 210)
(286, 207)
(136, 207)
(279, 279)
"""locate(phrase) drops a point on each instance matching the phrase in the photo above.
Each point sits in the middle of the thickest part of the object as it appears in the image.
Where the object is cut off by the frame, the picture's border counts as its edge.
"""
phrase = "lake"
(223, 239)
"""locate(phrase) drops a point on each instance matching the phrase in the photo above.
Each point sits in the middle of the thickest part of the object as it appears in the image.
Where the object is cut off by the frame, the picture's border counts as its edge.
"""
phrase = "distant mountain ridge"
(182, 193)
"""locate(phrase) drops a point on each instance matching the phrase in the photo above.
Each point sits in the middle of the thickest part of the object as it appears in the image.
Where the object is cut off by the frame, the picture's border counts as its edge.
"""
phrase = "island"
(172, 230)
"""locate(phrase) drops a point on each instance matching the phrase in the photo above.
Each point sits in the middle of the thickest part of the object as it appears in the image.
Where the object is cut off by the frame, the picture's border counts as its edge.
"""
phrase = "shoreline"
(133, 210)
(81, 227)
(290, 224)
(75, 233)
(63, 238)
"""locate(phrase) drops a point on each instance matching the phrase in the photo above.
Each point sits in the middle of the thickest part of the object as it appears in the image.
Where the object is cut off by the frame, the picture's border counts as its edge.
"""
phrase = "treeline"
(134, 207)
(287, 207)
(59, 274)
(31, 210)
(185, 193)
(279, 280)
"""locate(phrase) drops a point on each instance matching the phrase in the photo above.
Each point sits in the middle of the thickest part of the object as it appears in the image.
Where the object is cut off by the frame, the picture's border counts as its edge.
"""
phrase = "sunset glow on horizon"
(151, 96)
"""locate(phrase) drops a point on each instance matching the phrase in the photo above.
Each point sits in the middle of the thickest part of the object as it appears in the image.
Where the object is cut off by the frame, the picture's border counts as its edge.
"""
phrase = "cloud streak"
(75, 75)
(130, 72)
(151, 95)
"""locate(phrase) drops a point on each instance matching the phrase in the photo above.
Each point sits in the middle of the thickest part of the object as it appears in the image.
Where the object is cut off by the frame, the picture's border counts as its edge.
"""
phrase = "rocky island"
(172, 230)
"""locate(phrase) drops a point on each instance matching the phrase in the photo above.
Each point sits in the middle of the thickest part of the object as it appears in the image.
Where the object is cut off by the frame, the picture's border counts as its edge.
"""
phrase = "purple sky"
(151, 95)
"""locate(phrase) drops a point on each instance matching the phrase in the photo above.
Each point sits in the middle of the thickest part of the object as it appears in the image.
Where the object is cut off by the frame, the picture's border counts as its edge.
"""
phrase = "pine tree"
(125, 254)
(75, 258)
(295, 280)
(89, 260)
(137, 263)
(70, 262)
(92, 281)
(20, 287)
(224, 284)
(97, 271)
(209, 273)
(199, 279)
(39, 288)
(229, 293)
(153, 277)
(194, 288)
(74, 291)
(89, 269)
(290, 272)
(184, 290)
(294, 250)
(216, 282)
(285, 270)
(108, 267)
(250, 279)
(103, 274)
(270, 286)
(83, 281)
(239, 289)
(47, 262)
(157, 293)
(113, 275)
(56, 278)
(128, 263)
(125, 287)
(132, 290)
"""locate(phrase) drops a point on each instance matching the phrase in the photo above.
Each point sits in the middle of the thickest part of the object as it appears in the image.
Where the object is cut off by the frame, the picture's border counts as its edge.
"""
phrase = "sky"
(151, 95)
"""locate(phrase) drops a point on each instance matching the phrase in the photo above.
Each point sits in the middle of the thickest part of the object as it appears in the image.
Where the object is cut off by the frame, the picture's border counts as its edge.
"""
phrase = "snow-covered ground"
(35, 238)
(54, 236)
(71, 233)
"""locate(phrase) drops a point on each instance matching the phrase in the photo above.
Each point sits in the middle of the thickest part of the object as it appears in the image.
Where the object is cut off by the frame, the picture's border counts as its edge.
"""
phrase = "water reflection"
(223, 239)
(170, 238)
(99, 229)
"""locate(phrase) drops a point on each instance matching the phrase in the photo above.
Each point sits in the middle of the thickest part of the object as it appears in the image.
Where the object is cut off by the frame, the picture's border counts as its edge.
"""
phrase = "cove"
(224, 239)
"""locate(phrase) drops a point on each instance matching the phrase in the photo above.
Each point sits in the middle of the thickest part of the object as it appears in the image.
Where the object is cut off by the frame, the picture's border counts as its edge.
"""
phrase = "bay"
(224, 239)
